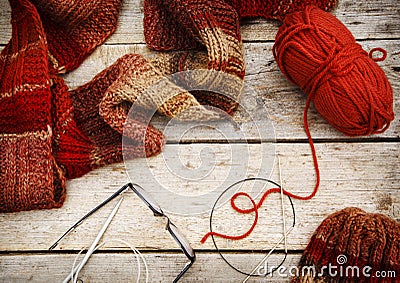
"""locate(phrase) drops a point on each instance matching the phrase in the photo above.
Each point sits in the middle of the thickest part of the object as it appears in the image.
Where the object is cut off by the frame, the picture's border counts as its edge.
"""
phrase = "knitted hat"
(75, 28)
(351, 241)
(187, 25)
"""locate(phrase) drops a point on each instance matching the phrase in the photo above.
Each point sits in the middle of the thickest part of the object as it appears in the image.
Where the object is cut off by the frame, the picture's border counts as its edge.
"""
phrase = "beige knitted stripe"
(12, 56)
(143, 85)
(54, 62)
(197, 75)
(159, 93)
(222, 47)
(24, 88)
(42, 135)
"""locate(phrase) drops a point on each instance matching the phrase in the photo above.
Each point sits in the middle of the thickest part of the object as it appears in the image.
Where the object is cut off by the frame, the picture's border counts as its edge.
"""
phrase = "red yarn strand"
(378, 59)
(317, 52)
(270, 191)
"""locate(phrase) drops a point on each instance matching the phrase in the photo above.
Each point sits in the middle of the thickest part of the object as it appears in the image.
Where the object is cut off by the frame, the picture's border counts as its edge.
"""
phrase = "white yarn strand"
(138, 257)
(94, 244)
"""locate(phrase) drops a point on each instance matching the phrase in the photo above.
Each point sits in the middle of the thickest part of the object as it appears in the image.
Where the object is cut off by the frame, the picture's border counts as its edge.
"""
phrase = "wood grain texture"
(122, 267)
(362, 172)
(364, 175)
(283, 102)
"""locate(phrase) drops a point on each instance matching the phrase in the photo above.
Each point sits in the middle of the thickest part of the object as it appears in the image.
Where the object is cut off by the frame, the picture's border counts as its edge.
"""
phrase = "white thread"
(133, 248)
(93, 246)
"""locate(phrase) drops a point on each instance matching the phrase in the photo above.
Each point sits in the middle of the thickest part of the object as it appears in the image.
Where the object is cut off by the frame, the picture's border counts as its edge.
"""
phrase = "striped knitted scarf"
(190, 26)
(49, 133)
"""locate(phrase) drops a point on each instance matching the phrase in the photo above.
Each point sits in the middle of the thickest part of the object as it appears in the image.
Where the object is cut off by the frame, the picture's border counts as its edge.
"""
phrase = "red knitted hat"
(75, 28)
(186, 25)
(352, 246)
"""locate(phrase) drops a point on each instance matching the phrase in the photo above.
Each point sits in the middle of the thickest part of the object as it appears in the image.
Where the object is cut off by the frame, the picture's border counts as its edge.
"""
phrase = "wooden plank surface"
(362, 172)
(283, 102)
(353, 174)
(122, 267)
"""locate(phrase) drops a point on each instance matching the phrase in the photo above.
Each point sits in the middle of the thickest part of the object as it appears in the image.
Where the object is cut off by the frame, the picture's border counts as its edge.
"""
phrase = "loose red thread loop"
(244, 211)
(317, 52)
(260, 203)
(377, 59)
(273, 190)
(254, 209)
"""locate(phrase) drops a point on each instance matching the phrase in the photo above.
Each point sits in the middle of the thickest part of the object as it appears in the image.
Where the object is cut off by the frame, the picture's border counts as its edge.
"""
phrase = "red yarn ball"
(318, 53)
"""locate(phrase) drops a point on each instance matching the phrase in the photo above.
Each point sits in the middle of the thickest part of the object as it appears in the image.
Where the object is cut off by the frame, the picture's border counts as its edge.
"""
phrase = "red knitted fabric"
(105, 132)
(352, 238)
(42, 140)
(29, 175)
(83, 141)
(213, 25)
(75, 28)
(164, 31)
(183, 25)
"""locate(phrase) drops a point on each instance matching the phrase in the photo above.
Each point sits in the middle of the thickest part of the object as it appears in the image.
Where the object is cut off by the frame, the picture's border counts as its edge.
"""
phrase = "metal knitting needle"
(95, 242)
(114, 195)
(282, 203)
(285, 233)
(268, 255)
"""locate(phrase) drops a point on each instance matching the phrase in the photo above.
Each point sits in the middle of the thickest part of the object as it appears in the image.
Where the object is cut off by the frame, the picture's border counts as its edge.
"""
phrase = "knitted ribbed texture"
(29, 175)
(353, 238)
(276, 9)
(139, 82)
(43, 139)
(212, 25)
(209, 87)
(164, 30)
(171, 25)
(75, 28)
(83, 141)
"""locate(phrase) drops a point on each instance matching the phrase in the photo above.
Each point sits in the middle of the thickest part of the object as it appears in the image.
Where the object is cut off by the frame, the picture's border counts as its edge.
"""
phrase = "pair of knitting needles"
(285, 233)
(92, 248)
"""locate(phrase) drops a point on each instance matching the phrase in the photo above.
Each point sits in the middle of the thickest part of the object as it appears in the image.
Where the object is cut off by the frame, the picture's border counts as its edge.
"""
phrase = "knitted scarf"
(49, 134)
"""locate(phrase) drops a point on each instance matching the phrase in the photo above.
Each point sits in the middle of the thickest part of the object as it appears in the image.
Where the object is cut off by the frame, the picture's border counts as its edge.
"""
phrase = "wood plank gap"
(378, 39)
(286, 141)
(144, 251)
(360, 140)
